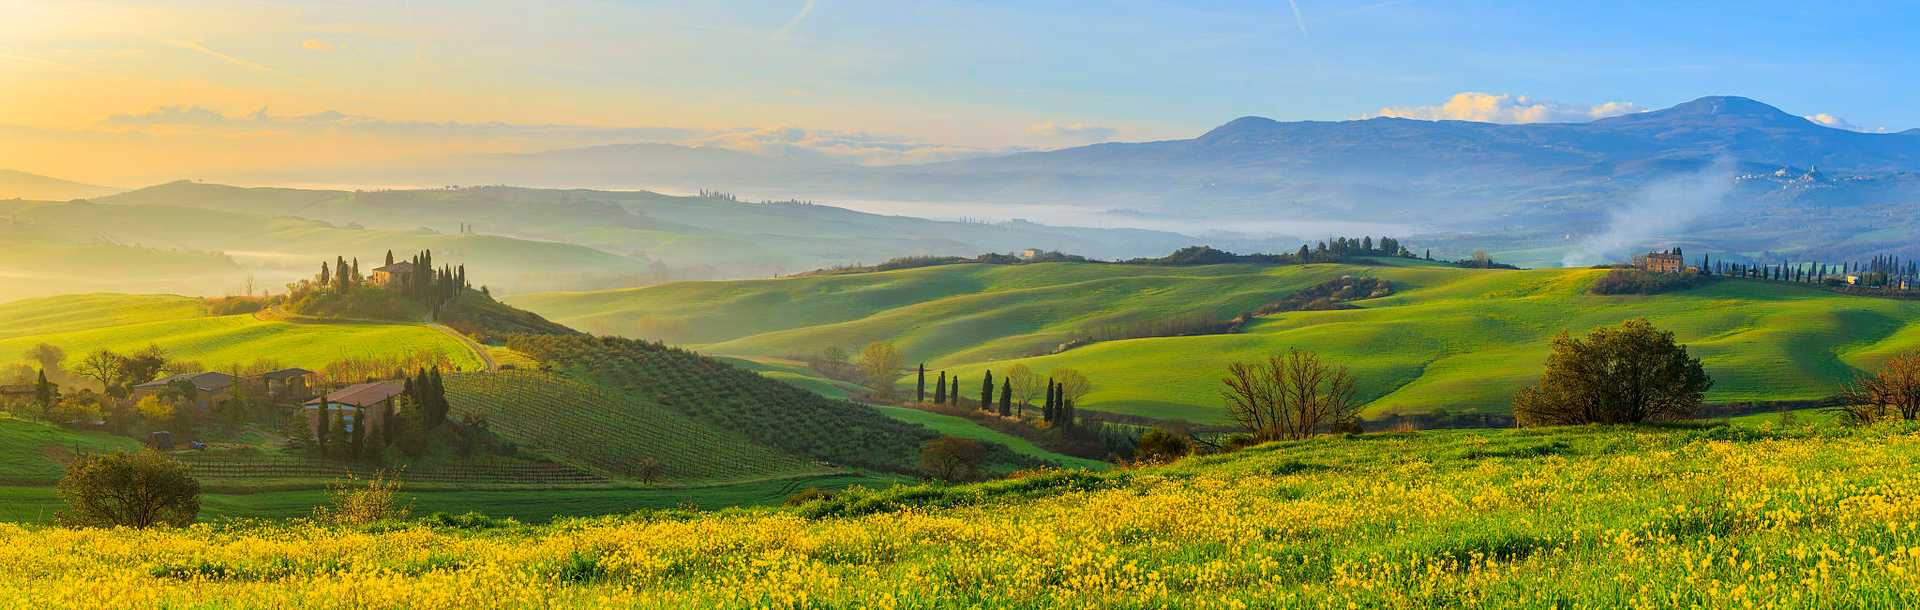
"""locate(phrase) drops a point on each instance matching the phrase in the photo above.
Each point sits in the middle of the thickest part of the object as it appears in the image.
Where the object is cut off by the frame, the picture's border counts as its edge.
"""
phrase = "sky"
(126, 94)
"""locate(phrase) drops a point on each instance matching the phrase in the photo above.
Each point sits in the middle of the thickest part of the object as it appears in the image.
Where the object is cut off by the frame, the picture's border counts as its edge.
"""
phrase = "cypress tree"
(326, 275)
(389, 258)
(439, 396)
(1046, 409)
(920, 395)
(986, 392)
(1006, 399)
(953, 395)
(323, 429)
(43, 392)
(386, 419)
(359, 439)
(940, 390)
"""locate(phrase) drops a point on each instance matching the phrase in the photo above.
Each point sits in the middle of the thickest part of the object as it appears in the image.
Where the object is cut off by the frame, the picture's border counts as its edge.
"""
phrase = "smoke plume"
(1662, 207)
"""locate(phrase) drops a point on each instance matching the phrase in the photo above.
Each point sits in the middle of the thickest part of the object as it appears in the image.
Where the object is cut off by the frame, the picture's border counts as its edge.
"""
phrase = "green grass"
(130, 322)
(1583, 517)
(1449, 339)
(88, 311)
(611, 432)
(949, 425)
(38, 504)
(797, 374)
(34, 452)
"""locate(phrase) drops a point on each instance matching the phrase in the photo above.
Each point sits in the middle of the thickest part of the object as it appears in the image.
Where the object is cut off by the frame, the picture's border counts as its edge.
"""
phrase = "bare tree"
(1290, 396)
(1027, 385)
(880, 362)
(102, 366)
(1894, 390)
(1073, 384)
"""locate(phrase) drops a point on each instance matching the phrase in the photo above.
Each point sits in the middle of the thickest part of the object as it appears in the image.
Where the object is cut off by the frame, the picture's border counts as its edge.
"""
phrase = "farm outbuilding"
(209, 389)
(346, 404)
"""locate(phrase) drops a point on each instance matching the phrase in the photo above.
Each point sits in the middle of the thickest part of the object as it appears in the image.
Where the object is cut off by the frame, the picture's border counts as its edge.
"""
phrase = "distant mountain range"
(1534, 188)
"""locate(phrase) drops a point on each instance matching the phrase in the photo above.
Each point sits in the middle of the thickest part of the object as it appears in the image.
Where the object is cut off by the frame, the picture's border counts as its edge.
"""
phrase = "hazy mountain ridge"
(22, 185)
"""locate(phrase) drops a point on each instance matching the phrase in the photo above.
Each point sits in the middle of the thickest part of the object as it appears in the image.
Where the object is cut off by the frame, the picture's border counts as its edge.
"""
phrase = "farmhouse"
(285, 384)
(1662, 262)
(395, 274)
(25, 392)
(373, 398)
(209, 388)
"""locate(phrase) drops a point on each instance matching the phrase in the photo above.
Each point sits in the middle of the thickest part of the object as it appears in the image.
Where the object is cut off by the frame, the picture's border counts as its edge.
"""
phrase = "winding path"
(478, 349)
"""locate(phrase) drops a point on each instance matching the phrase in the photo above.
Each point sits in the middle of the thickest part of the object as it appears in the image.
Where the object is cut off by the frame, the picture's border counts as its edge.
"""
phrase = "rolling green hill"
(1449, 339)
(129, 322)
(611, 432)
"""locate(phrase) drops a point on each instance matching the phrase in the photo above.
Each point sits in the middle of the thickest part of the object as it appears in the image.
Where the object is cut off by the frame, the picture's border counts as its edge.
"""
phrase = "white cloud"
(316, 45)
(1073, 131)
(1506, 108)
(1840, 123)
(854, 146)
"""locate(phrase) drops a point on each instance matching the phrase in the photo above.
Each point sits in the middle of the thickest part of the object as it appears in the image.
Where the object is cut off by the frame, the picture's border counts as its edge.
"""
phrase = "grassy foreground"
(1762, 514)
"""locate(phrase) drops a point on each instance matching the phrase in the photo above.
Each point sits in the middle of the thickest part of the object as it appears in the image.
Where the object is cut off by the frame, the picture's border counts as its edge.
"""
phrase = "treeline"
(1335, 250)
(1331, 294)
(1882, 271)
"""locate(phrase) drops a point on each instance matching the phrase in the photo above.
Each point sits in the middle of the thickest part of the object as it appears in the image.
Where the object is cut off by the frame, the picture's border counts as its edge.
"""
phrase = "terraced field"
(1448, 339)
(612, 433)
(129, 322)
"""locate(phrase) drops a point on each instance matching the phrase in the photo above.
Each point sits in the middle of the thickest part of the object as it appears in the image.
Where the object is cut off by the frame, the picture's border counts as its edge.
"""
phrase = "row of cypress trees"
(1058, 410)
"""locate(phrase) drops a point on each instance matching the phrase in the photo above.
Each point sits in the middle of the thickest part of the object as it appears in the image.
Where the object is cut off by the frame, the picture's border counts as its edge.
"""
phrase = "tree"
(322, 429)
(940, 390)
(1290, 396)
(1161, 445)
(920, 385)
(1006, 398)
(102, 366)
(142, 366)
(141, 490)
(49, 357)
(953, 395)
(358, 442)
(1047, 408)
(1026, 386)
(1617, 374)
(1893, 390)
(986, 391)
(952, 459)
(43, 392)
(1073, 384)
(880, 362)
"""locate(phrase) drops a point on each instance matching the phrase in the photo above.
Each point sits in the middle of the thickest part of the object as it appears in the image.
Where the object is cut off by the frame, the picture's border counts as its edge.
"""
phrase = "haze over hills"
(1539, 189)
(21, 185)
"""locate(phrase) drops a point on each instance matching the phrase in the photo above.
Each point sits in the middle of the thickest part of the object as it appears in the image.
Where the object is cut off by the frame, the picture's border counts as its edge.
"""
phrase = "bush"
(1621, 374)
(1893, 391)
(353, 504)
(1636, 281)
(1160, 445)
(141, 490)
(952, 459)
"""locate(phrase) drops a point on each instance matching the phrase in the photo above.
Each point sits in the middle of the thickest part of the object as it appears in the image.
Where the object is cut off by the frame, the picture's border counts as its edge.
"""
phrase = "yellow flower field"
(1583, 517)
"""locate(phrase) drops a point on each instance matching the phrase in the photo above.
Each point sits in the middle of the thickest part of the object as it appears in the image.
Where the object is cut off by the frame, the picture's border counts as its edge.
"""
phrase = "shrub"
(140, 490)
(1160, 445)
(353, 504)
(1637, 281)
(952, 459)
(1620, 374)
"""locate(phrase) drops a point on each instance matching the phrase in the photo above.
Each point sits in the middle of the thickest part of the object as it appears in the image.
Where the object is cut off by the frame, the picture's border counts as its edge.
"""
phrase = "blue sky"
(869, 80)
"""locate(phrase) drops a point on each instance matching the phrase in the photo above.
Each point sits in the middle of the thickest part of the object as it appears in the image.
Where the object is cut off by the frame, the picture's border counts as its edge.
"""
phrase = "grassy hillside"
(130, 322)
(611, 433)
(33, 452)
(1448, 339)
(1765, 516)
(769, 413)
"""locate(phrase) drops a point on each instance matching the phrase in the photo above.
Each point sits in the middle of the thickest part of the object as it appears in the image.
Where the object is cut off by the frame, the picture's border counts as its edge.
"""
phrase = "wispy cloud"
(794, 21)
(1073, 131)
(1298, 20)
(1836, 122)
(1506, 108)
(851, 146)
(238, 61)
(312, 44)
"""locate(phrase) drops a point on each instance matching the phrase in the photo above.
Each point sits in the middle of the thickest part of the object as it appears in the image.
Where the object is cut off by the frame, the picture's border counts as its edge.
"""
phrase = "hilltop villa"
(397, 273)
